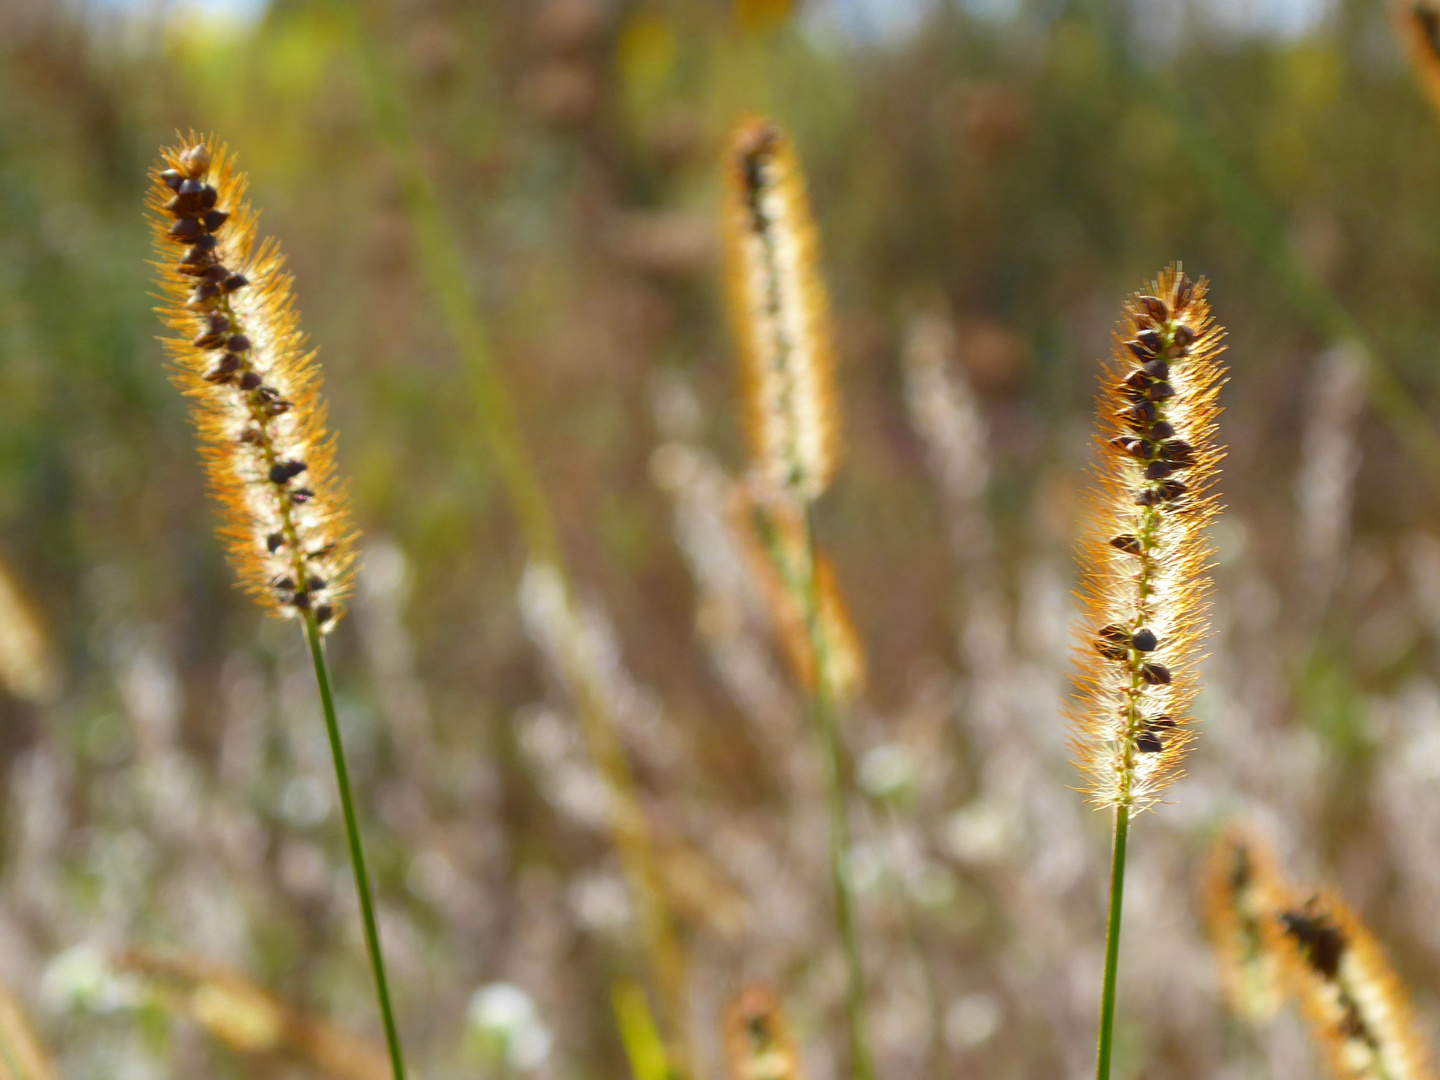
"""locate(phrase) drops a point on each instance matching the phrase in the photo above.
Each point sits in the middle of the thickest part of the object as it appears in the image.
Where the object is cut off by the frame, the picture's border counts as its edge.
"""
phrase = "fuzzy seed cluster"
(238, 353)
(1143, 559)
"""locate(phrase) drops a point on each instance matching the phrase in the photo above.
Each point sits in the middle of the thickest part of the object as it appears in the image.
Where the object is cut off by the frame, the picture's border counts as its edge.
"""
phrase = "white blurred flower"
(80, 979)
(505, 1023)
(888, 772)
(972, 1020)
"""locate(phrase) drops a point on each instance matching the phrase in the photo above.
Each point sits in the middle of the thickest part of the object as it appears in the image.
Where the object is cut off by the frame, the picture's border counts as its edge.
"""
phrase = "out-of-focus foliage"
(1007, 178)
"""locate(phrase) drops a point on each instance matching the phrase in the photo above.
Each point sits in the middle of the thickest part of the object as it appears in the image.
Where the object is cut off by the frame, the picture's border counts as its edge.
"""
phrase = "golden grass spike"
(758, 1043)
(29, 668)
(1419, 25)
(771, 530)
(1354, 1001)
(238, 353)
(1143, 558)
(1242, 892)
(780, 313)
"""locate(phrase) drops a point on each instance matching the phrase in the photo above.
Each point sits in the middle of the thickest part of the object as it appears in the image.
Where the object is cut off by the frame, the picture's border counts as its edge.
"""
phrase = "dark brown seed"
(203, 296)
(320, 552)
(216, 274)
(1184, 293)
(250, 436)
(196, 160)
(1154, 307)
(273, 542)
(1158, 470)
(285, 584)
(1126, 542)
(205, 244)
(1184, 336)
(268, 393)
(302, 601)
(1323, 944)
(249, 381)
(1157, 369)
(1144, 641)
(324, 613)
(1154, 674)
(1162, 430)
(1114, 632)
(238, 343)
(181, 205)
(1147, 742)
(186, 230)
(1150, 340)
(1173, 489)
(1132, 446)
(1177, 452)
(189, 269)
(277, 408)
(315, 582)
(1139, 415)
(172, 179)
(209, 341)
(235, 282)
(219, 376)
(302, 495)
(1161, 391)
(1142, 351)
(190, 187)
(208, 195)
(214, 219)
(1111, 652)
(279, 474)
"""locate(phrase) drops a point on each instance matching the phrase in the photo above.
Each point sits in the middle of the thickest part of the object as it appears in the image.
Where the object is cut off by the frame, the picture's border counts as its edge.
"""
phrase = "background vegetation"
(989, 184)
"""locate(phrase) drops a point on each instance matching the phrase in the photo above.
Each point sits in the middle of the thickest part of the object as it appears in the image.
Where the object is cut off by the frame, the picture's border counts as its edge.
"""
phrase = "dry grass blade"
(250, 1020)
(22, 1057)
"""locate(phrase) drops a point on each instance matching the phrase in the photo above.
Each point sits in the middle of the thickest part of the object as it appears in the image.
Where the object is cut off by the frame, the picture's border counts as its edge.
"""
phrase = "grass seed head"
(1355, 1003)
(1243, 892)
(237, 352)
(1143, 557)
(758, 1043)
(780, 313)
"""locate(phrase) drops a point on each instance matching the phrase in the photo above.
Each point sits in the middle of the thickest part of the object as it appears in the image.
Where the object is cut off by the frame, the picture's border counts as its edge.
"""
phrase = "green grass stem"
(1112, 945)
(357, 853)
(827, 725)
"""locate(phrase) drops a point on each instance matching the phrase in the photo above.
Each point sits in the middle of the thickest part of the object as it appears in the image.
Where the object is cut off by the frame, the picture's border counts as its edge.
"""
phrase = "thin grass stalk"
(827, 724)
(256, 405)
(357, 852)
(1112, 945)
(445, 273)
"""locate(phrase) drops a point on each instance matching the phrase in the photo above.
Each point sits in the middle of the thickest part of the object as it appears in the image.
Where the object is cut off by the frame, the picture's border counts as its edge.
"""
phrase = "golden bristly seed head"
(1242, 892)
(1355, 1003)
(237, 351)
(1143, 557)
(758, 1043)
(780, 313)
(1418, 22)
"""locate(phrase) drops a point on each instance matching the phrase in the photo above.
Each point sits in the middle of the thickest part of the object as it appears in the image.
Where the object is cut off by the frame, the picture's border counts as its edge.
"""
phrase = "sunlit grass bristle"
(772, 533)
(238, 353)
(1419, 26)
(758, 1042)
(1242, 890)
(1356, 1005)
(1144, 554)
(780, 312)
